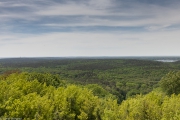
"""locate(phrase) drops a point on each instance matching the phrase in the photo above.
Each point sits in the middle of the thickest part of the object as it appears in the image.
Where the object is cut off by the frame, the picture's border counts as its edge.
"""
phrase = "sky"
(58, 28)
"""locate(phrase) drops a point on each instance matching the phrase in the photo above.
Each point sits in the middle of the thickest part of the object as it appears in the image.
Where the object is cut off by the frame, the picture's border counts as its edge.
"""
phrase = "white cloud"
(150, 16)
(70, 9)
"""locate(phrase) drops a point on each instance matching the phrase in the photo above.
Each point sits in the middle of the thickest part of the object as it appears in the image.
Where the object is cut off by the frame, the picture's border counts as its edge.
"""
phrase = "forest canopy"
(30, 96)
(171, 83)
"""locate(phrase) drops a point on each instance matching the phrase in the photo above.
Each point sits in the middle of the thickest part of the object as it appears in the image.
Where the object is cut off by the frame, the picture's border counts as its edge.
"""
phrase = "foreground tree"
(170, 83)
(25, 97)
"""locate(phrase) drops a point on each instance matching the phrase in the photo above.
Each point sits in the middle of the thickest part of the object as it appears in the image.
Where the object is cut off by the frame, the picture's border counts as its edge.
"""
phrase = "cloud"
(90, 13)
(149, 16)
(89, 27)
(76, 8)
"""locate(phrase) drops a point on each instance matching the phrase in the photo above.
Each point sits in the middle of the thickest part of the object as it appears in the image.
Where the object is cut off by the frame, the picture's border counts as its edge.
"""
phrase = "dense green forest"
(122, 77)
(92, 89)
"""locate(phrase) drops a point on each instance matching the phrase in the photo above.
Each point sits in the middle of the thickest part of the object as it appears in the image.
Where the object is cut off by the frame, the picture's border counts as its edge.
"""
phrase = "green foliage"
(29, 99)
(23, 97)
(98, 90)
(171, 108)
(47, 78)
(171, 83)
(153, 106)
(121, 77)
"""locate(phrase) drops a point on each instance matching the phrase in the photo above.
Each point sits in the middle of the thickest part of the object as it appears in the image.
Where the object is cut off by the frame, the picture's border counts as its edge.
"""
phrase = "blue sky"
(56, 28)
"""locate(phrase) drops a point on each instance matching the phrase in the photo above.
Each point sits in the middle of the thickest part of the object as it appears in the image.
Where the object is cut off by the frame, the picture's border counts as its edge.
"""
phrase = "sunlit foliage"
(30, 97)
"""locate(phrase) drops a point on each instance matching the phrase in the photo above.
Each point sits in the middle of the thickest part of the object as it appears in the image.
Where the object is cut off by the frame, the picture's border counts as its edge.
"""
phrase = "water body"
(167, 60)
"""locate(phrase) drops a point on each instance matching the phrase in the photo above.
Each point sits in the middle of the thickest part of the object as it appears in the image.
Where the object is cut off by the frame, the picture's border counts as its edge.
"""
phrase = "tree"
(170, 83)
